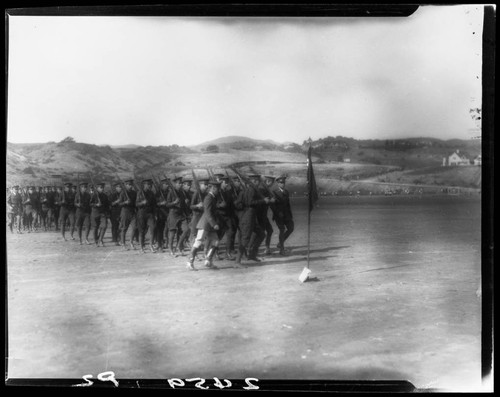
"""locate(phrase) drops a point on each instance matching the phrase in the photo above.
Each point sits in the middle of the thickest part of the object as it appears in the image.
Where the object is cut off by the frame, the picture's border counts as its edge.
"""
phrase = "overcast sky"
(166, 80)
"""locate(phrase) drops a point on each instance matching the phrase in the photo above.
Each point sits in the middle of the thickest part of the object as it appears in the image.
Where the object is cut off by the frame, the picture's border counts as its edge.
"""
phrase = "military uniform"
(99, 202)
(146, 207)
(177, 216)
(128, 219)
(83, 211)
(185, 229)
(31, 203)
(161, 215)
(207, 226)
(57, 207)
(252, 234)
(68, 210)
(263, 217)
(226, 214)
(15, 209)
(114, 199)
(282, 213)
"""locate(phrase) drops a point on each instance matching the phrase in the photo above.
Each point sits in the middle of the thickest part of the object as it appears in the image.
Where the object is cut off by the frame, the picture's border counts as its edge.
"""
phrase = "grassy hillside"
(417, 161)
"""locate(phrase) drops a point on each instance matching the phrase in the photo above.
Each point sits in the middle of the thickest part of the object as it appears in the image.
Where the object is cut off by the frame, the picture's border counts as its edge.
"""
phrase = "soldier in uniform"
(49, 204)
(197, 206)
(252, 234)
(146, 207)
(161, 215)
(177, 216)
(282, 213)
(267, 192)
(207, 226)
(30, 209)
(15, 209)
(128, 219)
(225, 210)
(57, 206)
(185, 229)
(44, 209)
(83, 211)
(67, 210)
(114, 199)
(99, 202)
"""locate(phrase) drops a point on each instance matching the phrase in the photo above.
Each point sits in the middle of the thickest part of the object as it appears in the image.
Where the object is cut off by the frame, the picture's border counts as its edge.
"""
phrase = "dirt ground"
(394, 294)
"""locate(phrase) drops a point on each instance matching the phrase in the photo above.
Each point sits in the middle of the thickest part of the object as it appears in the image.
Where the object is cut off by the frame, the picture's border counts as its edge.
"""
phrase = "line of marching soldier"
(184, 216)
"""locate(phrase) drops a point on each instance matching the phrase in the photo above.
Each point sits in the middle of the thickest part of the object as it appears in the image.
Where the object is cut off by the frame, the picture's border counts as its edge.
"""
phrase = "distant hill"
(339, 160)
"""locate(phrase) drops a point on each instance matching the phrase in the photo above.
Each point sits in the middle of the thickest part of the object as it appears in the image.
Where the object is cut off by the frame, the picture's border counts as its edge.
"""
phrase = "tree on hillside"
(68, 139)
(212, 149)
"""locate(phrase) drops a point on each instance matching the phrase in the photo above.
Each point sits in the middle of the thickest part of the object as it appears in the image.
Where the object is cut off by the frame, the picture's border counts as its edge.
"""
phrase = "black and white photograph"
(233, 200)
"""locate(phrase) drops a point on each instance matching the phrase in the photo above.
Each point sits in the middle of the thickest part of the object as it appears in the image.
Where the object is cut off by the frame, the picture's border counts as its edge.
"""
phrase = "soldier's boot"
(209, 258)
(192, 256)
(239, 255)
(267, 251)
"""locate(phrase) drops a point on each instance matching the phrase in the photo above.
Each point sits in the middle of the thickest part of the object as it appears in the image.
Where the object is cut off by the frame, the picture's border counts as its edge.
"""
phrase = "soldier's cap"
(187, 179)
(281, 178)
(219, 176)
(203, 180)
(100, 184)
(270, 177)
(177, 178)
(68, 184)
(150, 181)
(213, 183)
(254, 176)
(236, 178)
(84, 184)
(224, 178)
(15, 187)
(117, 184)
(165, 180)
(131, 181)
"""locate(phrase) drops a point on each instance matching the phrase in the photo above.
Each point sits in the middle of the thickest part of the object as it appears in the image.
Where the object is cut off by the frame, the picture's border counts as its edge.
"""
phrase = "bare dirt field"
(394, 295)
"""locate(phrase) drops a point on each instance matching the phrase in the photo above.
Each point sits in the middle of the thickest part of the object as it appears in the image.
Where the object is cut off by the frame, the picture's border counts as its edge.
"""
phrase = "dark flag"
(311, 181)
(312, 198)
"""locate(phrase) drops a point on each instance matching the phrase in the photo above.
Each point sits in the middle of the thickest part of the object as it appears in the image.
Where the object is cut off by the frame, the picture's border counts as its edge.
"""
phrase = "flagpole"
(308, 235)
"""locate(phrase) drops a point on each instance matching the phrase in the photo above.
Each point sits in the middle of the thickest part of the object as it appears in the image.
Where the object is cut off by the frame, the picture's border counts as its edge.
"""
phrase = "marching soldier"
(15, 209)
(57, 206)
(49, 204)
(161, 215)
(100, 211)
(44, 208)
(83, 212)
(252, 234)
(207, 226)
(128, 219)
(67, 210)
(177, 215)
(185, 228)
(146, 205)
(264, 219)
(197, 205)
(225, 211)
(283, 213)
(31, 208)
(114, 199)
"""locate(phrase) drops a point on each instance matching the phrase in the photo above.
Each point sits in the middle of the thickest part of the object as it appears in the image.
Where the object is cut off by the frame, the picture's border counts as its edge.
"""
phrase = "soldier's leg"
(200, 236)
(79, 225)
(151, 230)
(269, 234)
(172, 233)
(281, 237)
(289, 229)
(86, 224)
(259, 236)
(184, 226)
(103, 226)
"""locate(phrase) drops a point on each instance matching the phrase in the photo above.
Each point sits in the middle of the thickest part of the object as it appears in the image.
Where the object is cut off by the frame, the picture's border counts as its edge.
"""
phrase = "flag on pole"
(311, 181)
(312, 198)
